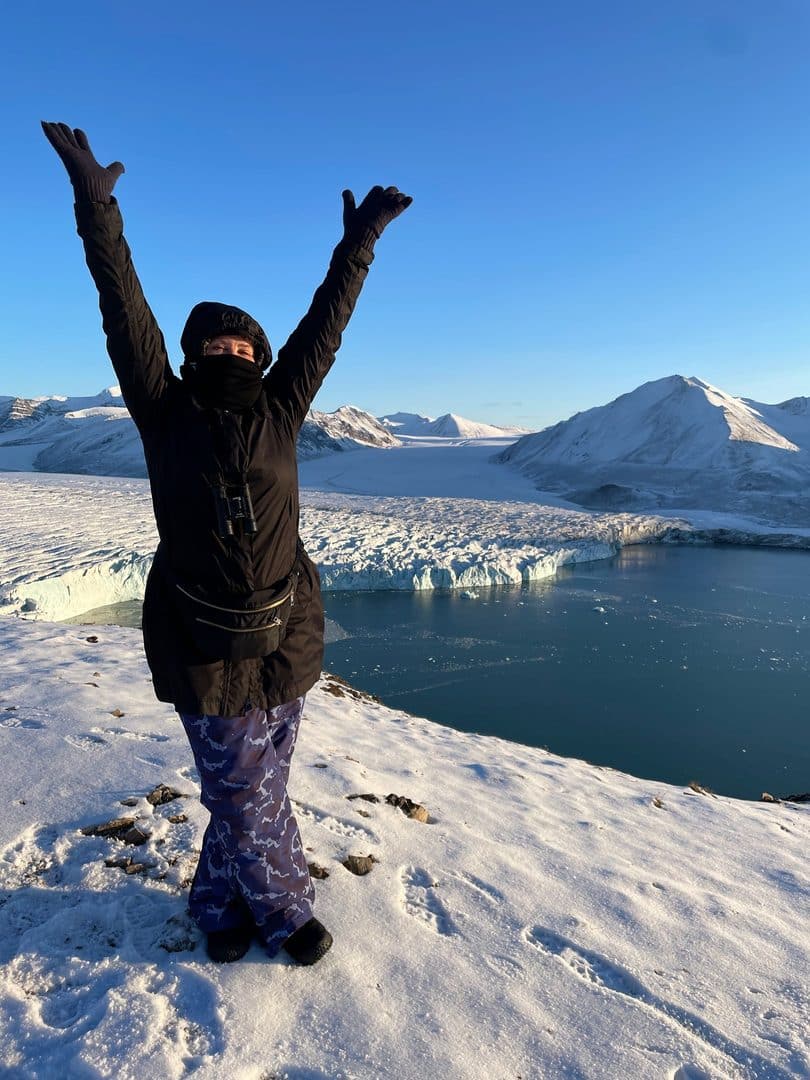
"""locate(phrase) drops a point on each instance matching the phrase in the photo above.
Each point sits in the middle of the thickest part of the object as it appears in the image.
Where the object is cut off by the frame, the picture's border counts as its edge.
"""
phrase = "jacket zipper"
(239, 630)
(235, 611)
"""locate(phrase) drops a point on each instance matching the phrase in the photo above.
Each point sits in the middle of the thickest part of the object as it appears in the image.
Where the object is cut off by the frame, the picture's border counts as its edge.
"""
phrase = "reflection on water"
(677, 663)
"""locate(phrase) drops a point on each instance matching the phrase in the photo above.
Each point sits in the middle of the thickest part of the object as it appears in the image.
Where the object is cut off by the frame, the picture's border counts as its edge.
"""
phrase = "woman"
(232, 618)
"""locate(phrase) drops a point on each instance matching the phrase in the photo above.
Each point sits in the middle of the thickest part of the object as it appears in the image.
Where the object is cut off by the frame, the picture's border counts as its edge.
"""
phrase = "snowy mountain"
(96, 436)
(353, 424)
(678, 442)
(89, 435)
(458, 427)
(17, 410)
(406, 423)
(448, 426)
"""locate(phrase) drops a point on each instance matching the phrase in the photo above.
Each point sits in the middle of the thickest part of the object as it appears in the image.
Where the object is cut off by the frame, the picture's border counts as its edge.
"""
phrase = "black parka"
(185, 443)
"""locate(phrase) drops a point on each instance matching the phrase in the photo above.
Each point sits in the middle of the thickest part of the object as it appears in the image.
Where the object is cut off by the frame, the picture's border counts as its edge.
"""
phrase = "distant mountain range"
(448, 426)
(673, 444)
(96, 436)
(678, 443)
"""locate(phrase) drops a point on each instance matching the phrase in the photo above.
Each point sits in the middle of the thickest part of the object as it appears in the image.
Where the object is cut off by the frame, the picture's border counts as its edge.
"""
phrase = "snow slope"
(678, 443)
(553, 919)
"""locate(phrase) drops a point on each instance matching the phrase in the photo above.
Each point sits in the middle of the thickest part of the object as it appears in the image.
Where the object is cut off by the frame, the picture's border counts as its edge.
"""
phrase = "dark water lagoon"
(674, 663)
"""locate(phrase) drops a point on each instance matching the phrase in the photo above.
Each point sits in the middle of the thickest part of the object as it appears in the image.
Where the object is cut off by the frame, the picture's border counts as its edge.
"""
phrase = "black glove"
(364, 224)
(91, 181)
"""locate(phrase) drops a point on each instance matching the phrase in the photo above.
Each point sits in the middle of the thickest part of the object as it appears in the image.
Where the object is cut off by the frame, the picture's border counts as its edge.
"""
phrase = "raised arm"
(134, 340)
(303, 362)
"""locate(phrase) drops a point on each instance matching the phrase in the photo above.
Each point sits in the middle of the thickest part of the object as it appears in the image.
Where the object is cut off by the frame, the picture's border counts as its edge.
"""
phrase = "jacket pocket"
(228, 627)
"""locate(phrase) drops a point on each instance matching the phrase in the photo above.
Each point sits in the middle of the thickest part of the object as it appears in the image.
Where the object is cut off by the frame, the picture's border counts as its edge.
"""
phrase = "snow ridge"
(448, 426)
(676, 443)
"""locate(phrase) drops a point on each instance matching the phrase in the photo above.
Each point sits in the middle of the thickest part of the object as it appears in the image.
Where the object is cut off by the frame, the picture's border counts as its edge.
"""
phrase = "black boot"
(225, 946)
(309, 942)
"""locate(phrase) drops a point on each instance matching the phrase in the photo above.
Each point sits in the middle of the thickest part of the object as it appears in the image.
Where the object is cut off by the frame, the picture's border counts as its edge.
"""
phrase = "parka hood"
(210, 319)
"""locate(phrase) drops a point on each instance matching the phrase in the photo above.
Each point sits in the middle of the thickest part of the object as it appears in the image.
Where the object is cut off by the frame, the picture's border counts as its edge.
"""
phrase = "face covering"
(224, 381)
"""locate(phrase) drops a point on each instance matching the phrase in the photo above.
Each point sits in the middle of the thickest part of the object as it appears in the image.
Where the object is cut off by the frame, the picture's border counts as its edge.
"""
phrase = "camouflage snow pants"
(252, 864)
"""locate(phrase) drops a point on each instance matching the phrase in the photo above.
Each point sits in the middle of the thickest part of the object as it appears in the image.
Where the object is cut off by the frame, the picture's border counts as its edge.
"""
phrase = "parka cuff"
(359, 252)
(88, 213)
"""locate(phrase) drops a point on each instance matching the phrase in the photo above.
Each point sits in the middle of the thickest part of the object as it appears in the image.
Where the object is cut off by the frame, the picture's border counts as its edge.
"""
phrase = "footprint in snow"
(86, 742)
(124, 733)
(587, 965)
(337, 825)
(480, 887)
(190, 773)
(504, 966)
(610, 977)
(421, 900)
(20, 722)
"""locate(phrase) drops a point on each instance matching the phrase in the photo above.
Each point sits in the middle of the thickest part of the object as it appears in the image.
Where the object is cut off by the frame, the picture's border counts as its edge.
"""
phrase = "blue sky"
(603, 193)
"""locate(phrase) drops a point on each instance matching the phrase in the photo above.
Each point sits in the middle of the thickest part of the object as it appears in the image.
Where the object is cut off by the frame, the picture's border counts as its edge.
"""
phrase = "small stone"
(117, 713)
(163, 794)
(369, 797)
(178, 819)
(135, 868)
(363, 813)
(767, 797)
(320, 765)
(115, 828)
(131, 801)
(658, 803)
(359, 864)
(119, 863)
(135, 836)
(96, 674)
(92, 639)
(319, 872)
(92, 684)
(409, 808)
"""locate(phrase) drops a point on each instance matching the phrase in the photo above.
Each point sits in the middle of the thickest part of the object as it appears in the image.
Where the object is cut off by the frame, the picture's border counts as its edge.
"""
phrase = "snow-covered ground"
(551, 920)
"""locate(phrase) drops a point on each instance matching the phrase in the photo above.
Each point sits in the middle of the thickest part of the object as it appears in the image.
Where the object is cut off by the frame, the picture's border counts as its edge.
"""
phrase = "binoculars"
(234, 507)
